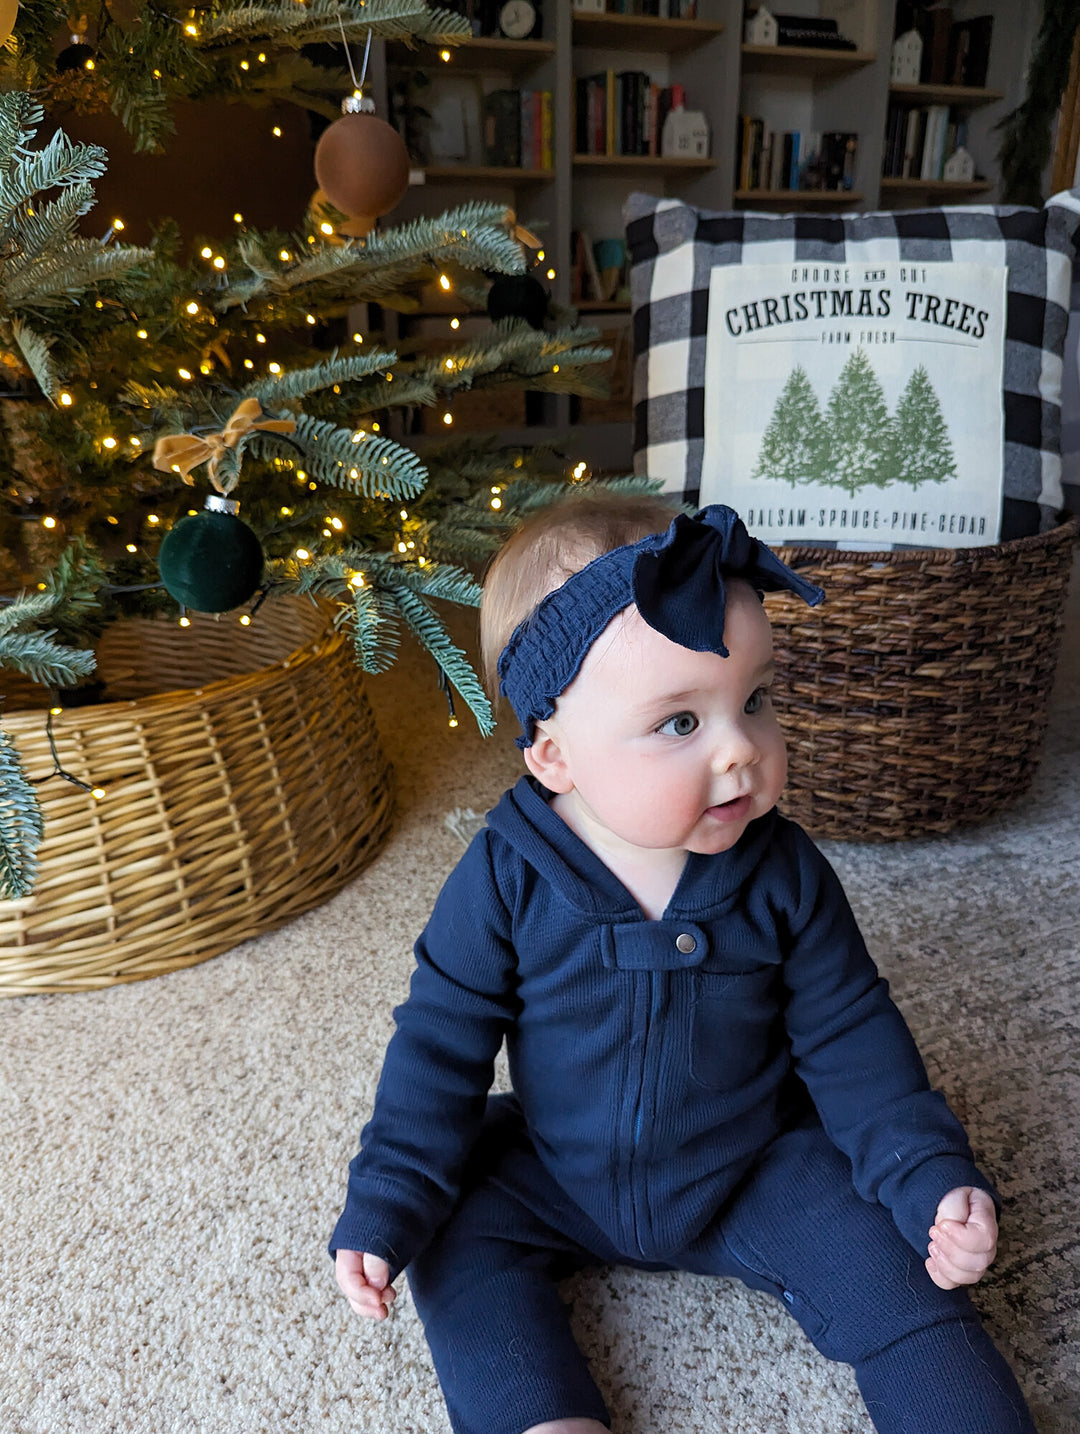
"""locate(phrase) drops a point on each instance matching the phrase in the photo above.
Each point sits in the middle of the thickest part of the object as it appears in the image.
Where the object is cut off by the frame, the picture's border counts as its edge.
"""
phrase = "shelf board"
(473, 54)
(601, 306)
(640, 161)
(485, 173)
(804, 59)
(892, 185)
(800, 198)
(643, 32)
(962, 96)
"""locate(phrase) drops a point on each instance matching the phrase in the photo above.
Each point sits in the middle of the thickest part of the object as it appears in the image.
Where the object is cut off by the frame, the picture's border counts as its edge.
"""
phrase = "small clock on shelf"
(517, 19)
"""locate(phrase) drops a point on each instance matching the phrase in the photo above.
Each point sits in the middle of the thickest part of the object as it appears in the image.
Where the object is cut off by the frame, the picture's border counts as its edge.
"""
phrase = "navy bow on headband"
(677, 581)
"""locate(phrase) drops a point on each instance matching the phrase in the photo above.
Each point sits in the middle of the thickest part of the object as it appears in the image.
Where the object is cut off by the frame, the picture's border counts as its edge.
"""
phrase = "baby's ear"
(546, 762)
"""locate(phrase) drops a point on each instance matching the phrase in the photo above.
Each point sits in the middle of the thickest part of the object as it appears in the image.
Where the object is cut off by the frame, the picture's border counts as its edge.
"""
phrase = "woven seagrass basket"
(244, 784)
(915, 698)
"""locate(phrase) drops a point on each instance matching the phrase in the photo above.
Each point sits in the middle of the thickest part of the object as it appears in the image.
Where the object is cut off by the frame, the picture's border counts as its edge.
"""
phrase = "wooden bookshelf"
(657, 163)
(958, 96)
(473, 55)
(484, 174)
(940, 189)
(803, 59)
(643, 32)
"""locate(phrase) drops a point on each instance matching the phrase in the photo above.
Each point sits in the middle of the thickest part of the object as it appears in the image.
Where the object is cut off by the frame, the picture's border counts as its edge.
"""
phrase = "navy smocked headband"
(677, 581)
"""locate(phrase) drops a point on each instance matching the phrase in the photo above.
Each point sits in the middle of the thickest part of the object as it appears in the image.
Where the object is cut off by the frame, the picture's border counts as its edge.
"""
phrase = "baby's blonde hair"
(549, 547)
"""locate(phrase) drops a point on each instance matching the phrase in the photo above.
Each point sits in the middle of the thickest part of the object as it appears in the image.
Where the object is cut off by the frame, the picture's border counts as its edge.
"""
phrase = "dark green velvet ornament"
(211, 561)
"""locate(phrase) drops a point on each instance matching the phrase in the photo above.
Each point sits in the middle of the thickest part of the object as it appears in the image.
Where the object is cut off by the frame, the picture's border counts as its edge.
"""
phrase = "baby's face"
(665, 748)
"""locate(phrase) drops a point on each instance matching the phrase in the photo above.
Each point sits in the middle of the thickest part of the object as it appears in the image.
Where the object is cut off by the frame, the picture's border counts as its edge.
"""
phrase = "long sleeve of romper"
(438, 1068)
(854, 1051)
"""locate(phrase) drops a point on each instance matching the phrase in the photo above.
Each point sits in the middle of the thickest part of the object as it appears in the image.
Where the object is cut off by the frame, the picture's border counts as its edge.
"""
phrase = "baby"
(708, 1073)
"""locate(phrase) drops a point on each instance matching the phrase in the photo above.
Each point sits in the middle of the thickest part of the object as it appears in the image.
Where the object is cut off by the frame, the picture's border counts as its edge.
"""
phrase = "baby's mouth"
(731, 810)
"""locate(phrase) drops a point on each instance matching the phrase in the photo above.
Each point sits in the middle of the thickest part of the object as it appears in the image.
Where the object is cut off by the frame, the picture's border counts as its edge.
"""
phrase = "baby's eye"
(756, 701)
(681, 725)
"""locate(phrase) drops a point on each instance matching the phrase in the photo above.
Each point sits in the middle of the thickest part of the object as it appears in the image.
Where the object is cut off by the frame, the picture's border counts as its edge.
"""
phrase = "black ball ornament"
(518, 296)
(75, 57)
(211, 561)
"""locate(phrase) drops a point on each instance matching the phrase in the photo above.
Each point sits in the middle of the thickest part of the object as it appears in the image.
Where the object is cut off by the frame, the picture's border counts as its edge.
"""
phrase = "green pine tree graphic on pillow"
(856, 444)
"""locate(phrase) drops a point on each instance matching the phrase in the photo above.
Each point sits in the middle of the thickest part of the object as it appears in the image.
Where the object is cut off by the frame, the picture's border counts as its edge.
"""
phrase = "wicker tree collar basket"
(244, 784)
(915, 698)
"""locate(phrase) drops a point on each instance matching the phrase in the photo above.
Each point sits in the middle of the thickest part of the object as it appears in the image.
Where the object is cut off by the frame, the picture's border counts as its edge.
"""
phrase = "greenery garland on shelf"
(1027, 131)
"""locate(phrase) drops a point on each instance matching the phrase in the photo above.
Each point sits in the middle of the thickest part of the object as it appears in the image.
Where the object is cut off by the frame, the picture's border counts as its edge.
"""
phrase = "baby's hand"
(364, 1280)
(963, 1238)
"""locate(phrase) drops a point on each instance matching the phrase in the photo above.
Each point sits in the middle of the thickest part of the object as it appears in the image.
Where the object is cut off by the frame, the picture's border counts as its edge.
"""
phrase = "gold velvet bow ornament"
(181, 452)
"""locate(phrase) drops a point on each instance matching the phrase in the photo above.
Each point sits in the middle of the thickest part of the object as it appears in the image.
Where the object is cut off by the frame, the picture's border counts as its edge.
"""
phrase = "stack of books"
(766, 158)
(664, 9)
(918, 141)
(622, 113)
(519, 129)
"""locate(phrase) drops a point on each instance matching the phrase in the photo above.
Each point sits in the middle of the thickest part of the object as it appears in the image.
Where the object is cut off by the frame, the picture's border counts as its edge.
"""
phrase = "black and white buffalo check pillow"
(674, 248)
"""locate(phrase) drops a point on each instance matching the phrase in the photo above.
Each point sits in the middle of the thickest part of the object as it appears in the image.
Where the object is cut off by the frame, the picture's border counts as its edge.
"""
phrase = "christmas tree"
(922, 450)
(137, 378)
(793, 445)
(858, 428)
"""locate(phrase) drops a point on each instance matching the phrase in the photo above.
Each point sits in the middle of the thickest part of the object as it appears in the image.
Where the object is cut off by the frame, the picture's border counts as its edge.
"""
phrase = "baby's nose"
(737, 749)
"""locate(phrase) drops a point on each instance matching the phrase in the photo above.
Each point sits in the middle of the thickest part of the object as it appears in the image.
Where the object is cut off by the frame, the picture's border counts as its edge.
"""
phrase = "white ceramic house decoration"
(906, 58)
(761, 28)
(959, 167)
(685, 136)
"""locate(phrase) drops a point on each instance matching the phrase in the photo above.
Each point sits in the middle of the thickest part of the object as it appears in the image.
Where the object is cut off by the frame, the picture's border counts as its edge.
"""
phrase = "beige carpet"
(174, 1152)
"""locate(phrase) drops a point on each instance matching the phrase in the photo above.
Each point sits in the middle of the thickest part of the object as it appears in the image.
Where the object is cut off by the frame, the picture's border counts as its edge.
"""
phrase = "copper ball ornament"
(9, 10)
(361, 164)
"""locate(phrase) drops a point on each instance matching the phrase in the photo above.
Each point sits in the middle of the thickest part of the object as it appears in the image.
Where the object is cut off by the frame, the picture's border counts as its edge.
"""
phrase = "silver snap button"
(686, 943)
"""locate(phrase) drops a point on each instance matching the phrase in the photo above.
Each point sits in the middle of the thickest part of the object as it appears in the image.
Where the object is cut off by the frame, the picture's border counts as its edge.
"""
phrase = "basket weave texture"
(245, 784)
(915, 698)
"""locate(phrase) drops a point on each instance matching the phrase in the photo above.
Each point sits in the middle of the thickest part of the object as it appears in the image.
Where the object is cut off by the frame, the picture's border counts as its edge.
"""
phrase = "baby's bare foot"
(569, 1426)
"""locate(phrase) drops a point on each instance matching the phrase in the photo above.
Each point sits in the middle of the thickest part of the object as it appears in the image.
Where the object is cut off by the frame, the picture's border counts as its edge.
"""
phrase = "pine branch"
(427, 628)
(49, 225)
(374, 626)
(275, 393)
(371, 465)
(35, 350)
(73, 587)
(55, 279)
(317, 21)
(38, 657)
(379, 265)
(21, 826)
(59, 164)
(20, 115)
